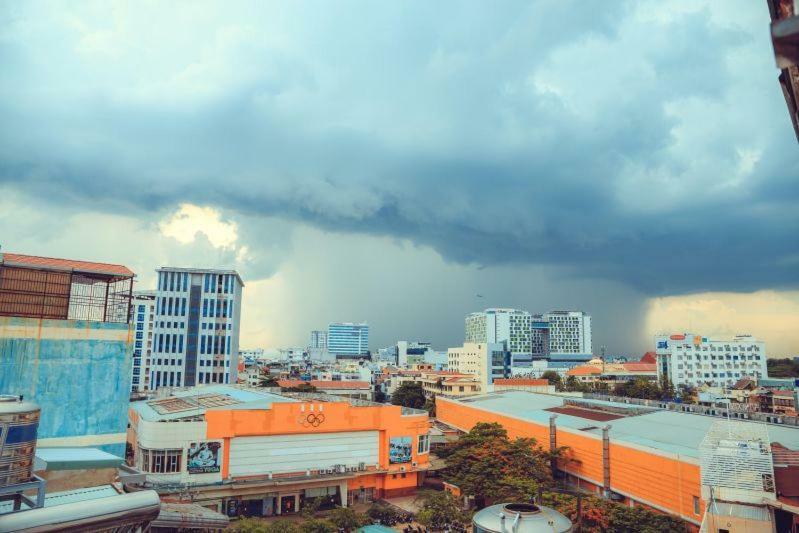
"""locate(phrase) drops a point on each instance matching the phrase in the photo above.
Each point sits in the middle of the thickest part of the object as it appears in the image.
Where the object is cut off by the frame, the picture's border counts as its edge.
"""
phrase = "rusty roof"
(69, 265)
(521, 381)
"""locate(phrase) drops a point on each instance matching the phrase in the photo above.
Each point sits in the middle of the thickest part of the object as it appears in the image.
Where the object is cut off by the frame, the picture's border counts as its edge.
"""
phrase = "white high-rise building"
(487, 361)
(142, 317)
(348, 339)
(318, 340)
(196, 327)
(511, 326)
(694, 360)
(569, 332)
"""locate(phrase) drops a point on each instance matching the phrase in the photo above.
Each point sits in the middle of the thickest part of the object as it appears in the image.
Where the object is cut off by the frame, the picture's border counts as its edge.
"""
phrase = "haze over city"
(416, 162)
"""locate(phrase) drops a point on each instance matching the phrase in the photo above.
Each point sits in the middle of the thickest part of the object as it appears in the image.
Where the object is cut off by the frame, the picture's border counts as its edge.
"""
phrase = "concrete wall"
(77, 371)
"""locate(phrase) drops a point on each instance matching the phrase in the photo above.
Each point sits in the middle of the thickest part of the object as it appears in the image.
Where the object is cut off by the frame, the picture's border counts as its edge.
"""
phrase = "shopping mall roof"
(194, 401)
(666, 431)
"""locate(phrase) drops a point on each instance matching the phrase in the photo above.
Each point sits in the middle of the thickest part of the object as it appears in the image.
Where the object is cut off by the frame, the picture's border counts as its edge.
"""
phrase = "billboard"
(399, 450)
(203, 457)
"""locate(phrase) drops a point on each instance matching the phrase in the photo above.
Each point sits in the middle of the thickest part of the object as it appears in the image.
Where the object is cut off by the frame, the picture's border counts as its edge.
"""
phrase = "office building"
(648, 455)
(693, 360)
(246, 452)
(142, 316)
(318, 340)
(347, 339)
(196, 327)
(511, 326)
(66, 344)
(569, 332)
(486, 361)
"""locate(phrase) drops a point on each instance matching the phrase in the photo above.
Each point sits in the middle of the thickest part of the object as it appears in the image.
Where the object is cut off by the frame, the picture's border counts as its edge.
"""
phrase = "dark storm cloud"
(634, 142)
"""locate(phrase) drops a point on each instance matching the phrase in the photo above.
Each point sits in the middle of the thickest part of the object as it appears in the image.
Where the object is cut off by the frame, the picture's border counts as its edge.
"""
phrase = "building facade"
(693, 360)
(539, 337)
(569, 332)
(142, 317)
(486, 361)
(196, 327)
(318, 340)
(347, 339)
(511, 326)
(66, 344)
(253, 453)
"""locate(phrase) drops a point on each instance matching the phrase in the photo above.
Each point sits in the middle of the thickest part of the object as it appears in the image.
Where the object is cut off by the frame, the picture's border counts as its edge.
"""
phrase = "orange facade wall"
(291, 418)
(666, 483)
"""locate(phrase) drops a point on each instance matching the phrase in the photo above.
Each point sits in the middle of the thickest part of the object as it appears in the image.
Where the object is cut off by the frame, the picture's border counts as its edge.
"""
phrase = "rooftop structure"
(46, 287)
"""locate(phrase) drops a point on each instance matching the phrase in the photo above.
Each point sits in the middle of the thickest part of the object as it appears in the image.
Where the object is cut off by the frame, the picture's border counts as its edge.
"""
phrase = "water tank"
(19, 421)
(520, 518)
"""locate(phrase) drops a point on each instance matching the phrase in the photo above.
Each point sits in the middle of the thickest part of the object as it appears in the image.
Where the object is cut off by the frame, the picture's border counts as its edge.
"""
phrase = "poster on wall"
(399, 450)
(203, 457)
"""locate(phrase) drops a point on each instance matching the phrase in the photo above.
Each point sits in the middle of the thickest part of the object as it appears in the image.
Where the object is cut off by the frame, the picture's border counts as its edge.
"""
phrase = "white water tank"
(520, 518)
(19, 423)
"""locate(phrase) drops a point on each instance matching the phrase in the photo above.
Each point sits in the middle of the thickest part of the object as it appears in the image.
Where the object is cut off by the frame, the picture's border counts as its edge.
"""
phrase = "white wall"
(297, 453)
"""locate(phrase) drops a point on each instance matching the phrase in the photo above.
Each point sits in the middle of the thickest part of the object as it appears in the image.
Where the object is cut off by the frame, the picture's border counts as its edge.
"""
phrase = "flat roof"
(239, 398)
(64, 265)
(660, 429)
(75, 458)
(201, 271)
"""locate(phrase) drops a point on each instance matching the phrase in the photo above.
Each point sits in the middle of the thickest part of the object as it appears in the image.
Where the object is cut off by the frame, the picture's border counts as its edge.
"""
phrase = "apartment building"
(348, 339)
(497, 325)
(569, 332)
(142, 314)
(486, 361)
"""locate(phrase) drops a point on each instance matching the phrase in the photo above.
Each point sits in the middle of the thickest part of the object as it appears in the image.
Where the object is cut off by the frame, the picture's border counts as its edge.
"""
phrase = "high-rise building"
(539, 337)
(196, 327)
(65, 344)
(694, 360)
(142, 314)
(511, 326)
(347, 339)
(486, 361)
(569, 332)
(318, 340)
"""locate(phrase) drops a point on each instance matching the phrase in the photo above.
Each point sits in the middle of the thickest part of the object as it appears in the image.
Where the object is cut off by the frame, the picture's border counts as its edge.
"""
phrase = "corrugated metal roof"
(52, 263)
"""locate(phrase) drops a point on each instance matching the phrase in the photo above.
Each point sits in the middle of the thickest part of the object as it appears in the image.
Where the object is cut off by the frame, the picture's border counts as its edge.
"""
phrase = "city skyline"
(260, 140)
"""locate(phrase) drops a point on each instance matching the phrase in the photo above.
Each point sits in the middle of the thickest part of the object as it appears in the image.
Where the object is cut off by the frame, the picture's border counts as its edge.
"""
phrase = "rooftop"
(666, 431)
(327, 384)
(201, 271)
(64, 265)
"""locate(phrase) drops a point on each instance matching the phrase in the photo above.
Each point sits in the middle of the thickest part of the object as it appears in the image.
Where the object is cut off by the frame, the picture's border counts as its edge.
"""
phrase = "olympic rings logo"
(312, 420)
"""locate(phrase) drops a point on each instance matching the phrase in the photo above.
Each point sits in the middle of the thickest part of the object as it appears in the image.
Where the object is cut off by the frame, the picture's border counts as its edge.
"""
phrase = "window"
(424, 444)
(696, 505)
(161, 461)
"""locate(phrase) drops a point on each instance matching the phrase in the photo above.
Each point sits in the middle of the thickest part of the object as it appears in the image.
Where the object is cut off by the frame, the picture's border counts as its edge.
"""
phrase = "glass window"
(161, 461)
(423, 445)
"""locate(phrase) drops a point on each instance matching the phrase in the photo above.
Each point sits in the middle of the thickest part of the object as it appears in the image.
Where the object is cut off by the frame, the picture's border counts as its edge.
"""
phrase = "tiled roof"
(52, 263)
(326, 385)
(584, 371)
(649, 357)
(640, 367)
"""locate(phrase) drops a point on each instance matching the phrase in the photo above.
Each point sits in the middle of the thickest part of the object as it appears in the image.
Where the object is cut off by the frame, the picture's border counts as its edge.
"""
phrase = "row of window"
(173, 281)
(219, 283)
(161, 461)
(212, 377)
(214, 345)
(171, 306)
(217, 308)
(169, 343)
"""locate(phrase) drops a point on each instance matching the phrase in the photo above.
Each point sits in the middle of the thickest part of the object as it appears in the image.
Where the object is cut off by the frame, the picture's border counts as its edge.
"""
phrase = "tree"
(409, 394)
(782, 368)
(639, 388)
(385, 514)
(430, 406)
(439, 509)
(251, 525)
(347, 519)
(603, 516)
(380, 396)
(302, 387)
(554, 379)
(317, 525)
(574, 385)
(486, 464)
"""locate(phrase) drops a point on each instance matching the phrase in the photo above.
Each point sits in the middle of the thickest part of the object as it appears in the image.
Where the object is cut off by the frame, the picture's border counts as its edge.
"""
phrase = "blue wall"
(77, 371)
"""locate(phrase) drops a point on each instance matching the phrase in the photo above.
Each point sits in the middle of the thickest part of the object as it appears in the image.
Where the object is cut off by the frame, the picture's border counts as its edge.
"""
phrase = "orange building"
(632, 454)
(248, 452)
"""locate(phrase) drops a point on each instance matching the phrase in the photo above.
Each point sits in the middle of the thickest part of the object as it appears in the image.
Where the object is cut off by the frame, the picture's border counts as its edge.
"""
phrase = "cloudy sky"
(388, 161)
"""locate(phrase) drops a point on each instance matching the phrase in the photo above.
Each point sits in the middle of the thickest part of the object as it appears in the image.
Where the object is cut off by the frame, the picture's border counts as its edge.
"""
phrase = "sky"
(388, 162)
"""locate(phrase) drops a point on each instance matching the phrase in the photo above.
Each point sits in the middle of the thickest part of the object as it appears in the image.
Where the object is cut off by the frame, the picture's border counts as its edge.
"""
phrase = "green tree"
(251, 525)
(317, 525)
(409, 394)
(639, 388)
(554, 379)
(383, 513)
(439, 509)
(347, 519)
(572, 384)
(430, 406)
(486, 464)
(302, 387)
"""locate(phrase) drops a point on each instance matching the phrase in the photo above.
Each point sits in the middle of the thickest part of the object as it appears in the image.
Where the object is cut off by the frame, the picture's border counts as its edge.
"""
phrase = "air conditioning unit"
(402, 469)
(414, 464)
(361, 466)
(340, 469)
(329, 470)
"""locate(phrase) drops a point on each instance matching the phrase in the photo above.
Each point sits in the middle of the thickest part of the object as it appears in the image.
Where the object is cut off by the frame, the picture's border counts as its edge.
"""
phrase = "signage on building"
(203, 457)
(399, 450)
(662, 345)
